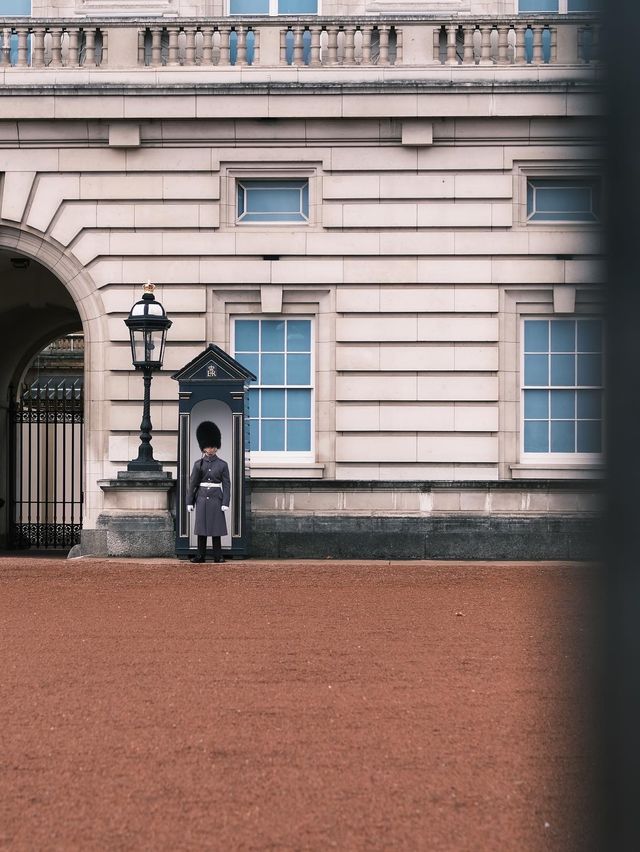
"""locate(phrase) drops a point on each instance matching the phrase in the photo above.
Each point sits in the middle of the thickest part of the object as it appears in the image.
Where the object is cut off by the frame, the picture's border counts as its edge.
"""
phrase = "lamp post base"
(135, 521)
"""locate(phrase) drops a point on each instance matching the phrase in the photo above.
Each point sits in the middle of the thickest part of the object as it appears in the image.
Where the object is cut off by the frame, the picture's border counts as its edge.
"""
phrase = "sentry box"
(214, 387)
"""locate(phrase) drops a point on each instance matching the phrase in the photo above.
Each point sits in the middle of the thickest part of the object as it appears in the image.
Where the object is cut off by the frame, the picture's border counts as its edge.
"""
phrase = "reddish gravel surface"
(296, 706)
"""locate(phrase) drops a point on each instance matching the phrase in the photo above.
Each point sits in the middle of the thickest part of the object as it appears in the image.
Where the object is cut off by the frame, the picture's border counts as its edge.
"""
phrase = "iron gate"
(46, 431)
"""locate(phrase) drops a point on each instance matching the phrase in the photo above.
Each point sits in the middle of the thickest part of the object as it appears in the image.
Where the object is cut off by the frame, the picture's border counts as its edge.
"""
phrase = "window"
(278, 352)
(560, 200)
(273, 7)
(272, 201)
(562, 386)
(558, 5)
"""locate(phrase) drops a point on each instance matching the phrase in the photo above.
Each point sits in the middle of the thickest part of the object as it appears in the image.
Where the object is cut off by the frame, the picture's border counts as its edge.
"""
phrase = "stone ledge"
(513, 539)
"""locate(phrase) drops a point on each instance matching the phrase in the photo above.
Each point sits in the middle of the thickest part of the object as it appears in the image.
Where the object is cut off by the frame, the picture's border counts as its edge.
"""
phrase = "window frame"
(272, 13)
(563, 9)
(570, 170)
(304, 221)
(550, 457)
(231, 173)
(596, 210)
(284, 456)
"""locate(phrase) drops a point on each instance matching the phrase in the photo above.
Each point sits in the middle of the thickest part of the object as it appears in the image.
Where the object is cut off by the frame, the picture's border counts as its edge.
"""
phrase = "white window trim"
(554, 170)
(304, 220)
(536, 301)
(596, 220)
(284, 456)
(231, 173)
(554, 458)
(272, 13)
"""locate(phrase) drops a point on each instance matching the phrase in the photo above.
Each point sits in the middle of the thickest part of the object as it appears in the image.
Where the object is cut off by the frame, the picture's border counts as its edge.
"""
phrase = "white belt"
(210, 485)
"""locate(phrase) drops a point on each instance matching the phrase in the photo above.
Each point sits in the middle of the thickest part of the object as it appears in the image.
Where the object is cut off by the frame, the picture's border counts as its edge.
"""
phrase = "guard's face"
(210, 451)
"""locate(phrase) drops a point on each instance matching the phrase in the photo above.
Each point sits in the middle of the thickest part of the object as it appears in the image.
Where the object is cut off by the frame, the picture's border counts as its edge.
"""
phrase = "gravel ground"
(296, 705)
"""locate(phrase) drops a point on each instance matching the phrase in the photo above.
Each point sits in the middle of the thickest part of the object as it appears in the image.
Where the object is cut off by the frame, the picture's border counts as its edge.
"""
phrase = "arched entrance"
(46, 440)
(39, 308)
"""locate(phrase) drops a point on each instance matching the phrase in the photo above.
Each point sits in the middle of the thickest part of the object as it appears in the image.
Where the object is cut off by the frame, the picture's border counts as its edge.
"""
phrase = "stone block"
(376, 388)
(367, 448)
(454, 270)
(16, 190)
(376, 328)
(457, 388)
(416, 186)
(472, 299)
(457, 328)
(417, 299)
(350, 186)
(417, 132)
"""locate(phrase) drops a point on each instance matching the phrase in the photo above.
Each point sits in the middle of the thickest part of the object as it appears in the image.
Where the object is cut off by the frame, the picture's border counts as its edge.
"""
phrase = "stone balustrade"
(411, 40)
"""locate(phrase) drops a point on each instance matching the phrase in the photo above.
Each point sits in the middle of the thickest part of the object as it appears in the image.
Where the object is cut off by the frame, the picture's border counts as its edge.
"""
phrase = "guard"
(209, 492)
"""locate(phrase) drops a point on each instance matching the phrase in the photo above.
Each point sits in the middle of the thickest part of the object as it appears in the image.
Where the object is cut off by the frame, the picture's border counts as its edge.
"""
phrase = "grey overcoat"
(210, 519)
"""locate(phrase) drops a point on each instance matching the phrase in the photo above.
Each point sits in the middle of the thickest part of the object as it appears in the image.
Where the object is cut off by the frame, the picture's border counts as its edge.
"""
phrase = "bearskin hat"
(208, 435)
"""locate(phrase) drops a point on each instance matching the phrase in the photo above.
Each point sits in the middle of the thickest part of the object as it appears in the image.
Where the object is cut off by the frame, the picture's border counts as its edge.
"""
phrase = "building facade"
(389, 211)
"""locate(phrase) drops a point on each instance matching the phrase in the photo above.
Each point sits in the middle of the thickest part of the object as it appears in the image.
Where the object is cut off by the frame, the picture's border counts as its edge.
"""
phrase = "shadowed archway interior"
(35, 310)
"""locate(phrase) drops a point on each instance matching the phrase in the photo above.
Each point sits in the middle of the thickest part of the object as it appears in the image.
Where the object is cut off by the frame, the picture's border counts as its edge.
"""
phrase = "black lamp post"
(148, 325)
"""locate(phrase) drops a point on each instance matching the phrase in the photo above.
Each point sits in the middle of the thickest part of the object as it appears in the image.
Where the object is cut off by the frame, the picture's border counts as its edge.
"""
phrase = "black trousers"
(216, 546)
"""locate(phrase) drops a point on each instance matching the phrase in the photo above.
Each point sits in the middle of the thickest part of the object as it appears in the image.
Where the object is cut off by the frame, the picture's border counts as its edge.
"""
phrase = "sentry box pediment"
(212, 366)
(213, 386)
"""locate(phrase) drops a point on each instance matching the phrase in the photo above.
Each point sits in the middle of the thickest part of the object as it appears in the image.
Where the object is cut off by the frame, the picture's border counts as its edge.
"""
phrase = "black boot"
(217, 549)
(202, 550)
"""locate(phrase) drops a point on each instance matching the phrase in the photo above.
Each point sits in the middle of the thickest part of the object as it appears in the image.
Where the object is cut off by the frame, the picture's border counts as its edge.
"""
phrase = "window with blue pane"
(562, 386)
(273, 7)
(278, 351)
(15, 8)
(558, 200)
(272, 201)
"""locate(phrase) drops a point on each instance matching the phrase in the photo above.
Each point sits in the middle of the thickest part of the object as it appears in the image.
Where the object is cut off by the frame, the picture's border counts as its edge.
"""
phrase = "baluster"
(314, 58)
(141, 58)
(553, 53)
(207, 45)
(156, 47)
(349, 45)
(90, 47)
(468, 57)
(521, 51)
(38, 48)
(225, 55)
(485, 52)
(436, 45)
(452, 30)
(173, 57)
(298, 36)
(537, 45)
(332, 45)
(104, 58)
(6, 46)
(241, 58)
(190, 51)
(72, 56)
(256, 46)
(284, 31)
(23, 55)
(399, 46)
(384, 45)
(366, 45)
(503, 45)
(56, 47)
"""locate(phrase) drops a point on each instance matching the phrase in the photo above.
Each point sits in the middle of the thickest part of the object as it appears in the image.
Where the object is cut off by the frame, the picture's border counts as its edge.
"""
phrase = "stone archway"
(45, 293)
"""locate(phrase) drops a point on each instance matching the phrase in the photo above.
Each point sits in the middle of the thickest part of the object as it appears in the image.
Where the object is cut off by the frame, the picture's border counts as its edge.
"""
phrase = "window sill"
(557, 471)
(284, 470)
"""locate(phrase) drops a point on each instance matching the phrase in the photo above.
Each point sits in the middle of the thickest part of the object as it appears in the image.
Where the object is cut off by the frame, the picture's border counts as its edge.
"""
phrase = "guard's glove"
(189, 508)
(225, 508)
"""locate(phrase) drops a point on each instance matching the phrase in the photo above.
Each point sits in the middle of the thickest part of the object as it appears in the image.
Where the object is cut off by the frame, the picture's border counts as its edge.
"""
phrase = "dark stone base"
(130, 535)
(470, 537)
